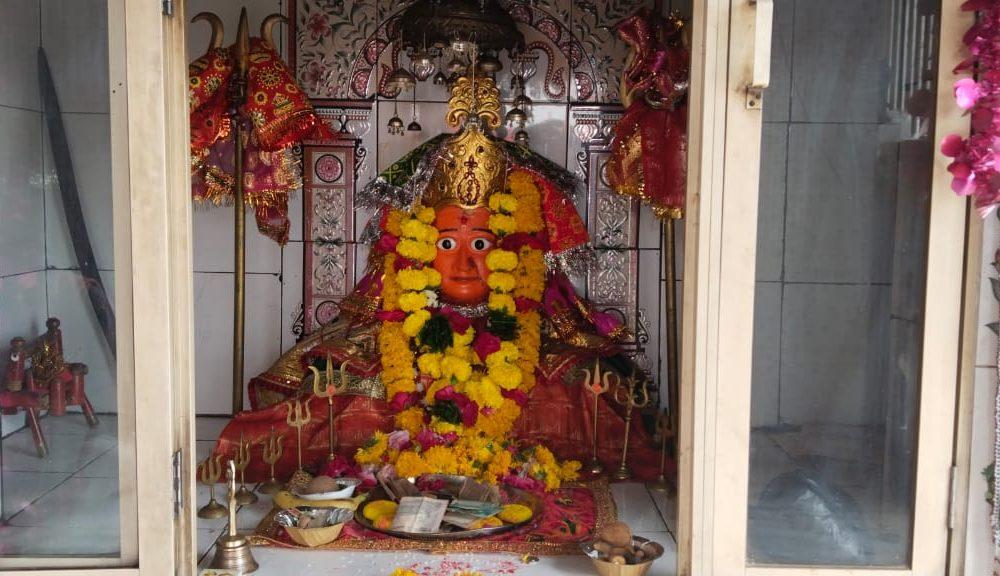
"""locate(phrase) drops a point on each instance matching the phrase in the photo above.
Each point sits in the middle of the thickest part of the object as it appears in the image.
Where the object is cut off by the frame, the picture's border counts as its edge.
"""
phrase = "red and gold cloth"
(649, 154)
(276, 114)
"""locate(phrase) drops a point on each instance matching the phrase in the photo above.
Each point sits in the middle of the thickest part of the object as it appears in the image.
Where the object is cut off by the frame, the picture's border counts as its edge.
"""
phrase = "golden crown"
(472, 166)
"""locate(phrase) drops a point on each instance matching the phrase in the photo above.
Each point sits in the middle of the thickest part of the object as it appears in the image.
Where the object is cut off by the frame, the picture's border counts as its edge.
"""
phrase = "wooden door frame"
(723, 170)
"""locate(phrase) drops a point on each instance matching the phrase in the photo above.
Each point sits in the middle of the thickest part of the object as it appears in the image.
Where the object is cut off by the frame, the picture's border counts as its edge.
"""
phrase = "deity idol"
(463, 348)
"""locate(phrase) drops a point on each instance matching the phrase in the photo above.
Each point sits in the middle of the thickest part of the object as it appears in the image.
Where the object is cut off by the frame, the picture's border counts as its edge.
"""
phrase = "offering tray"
(450, 532)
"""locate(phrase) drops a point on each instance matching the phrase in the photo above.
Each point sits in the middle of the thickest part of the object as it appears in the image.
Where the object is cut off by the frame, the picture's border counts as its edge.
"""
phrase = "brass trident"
(297, 418)
(328, 387)
(209, 472)
(663, 430)
(631, 399)
(271, 454)
(242, 460)
(598, 384)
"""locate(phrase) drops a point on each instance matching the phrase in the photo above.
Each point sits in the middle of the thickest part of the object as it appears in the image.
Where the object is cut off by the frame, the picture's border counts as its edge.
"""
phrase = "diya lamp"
(271, 453)
(597, 384)
(232, 552)
(209, 472)
(244, 495)
(626, 395)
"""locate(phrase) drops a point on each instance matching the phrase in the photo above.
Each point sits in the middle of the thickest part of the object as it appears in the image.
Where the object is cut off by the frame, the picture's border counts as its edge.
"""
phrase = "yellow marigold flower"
(463, 339)
(412, 301)
(502, 224)
(390, 287)
(508, 352)
(415, 229)
(455, 367)
(499, 466)
(430, 363)
(500, 260)
(441, 459)
(411, 420)
(393, 222)
(426, 214)
(409, 464)
(442, 427)
(498, 302)
(485, 393)
(412, 279)
(373, 450)
(503, 202)
(415, 321)
(433, 277)
(403, 572)
(507, 376)
(570, 470)
(500, 281)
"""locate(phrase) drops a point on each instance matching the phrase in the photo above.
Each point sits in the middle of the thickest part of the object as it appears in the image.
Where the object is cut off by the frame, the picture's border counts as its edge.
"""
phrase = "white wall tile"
(547, 129)
(838, 219)
(839, 60)
(979, 543)
(213, 293)
(75, 38)
(765, 394)
(23, 307)
(771, 208)
(295, 215)
(391, 148)
(19, 41)
(777, 95)
(89, 138)
(22, 223)
(834, 353)
(214, 242)
(989, 308)
(291, 291)
(83, 340)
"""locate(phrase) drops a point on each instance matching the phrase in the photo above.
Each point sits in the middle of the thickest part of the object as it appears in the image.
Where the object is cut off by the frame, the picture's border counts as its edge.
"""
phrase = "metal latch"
(178, 486)
(763, 21)
(168, 7)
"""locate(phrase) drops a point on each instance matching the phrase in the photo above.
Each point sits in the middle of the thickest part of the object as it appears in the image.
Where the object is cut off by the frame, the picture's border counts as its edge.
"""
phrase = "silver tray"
(508, 495)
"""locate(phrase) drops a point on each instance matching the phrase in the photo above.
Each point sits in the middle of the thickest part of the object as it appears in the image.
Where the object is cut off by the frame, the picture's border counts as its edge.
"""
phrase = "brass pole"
(237, 97)
(673, 372)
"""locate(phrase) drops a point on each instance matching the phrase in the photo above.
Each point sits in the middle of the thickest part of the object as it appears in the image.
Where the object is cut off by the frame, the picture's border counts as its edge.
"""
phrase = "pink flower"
(427, 439)
(952, 145)
(523, 483)
(485, 344)
(387, 242)
(391, 315)
(403, 400)
(399, 440)
(468, 409)
(967, 92)
(319, 26)
(340, 466)
(518, 396)
(458, 323)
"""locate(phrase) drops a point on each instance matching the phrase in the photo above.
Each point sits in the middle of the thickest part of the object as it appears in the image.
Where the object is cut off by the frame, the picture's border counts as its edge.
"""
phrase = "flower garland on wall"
(456, 391)
(976, 166)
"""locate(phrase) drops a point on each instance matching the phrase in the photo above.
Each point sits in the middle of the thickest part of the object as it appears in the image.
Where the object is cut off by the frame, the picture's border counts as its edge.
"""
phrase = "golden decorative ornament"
(473, 168)
(475, 98)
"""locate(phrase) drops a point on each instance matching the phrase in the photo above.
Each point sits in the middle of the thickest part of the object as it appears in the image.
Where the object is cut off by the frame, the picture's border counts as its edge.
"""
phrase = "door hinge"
(168, 7)
(952, 495)
(178, 485)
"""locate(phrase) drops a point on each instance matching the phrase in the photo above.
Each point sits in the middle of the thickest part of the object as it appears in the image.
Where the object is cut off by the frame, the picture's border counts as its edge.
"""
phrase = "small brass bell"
(232, 551)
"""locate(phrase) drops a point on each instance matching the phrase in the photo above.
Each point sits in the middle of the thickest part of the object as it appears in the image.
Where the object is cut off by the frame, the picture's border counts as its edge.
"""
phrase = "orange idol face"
(464, 240)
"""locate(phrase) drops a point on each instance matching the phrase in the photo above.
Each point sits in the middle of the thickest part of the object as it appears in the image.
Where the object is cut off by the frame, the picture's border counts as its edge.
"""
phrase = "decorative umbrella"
(649, 153)
(247, 112)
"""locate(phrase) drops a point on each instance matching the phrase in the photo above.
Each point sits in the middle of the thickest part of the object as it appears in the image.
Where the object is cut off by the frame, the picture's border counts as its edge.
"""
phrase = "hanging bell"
(414, 126)
(401, 79)
(456, 66)
(395, 126)
(523, 102)
(422, 65)
(516, 117)
(489, 65)
(439, 79)
(521, 137)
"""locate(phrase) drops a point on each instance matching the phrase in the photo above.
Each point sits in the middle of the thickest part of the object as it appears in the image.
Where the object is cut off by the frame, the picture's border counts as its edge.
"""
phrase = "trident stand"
(328, 387)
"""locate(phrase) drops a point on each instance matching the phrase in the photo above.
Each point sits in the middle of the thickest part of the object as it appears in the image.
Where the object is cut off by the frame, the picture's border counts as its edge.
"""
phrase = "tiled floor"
(48, 502)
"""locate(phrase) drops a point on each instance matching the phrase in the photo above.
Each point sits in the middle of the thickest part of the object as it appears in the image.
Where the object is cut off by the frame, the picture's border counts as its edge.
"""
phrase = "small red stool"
(50, 383)
(14, 398)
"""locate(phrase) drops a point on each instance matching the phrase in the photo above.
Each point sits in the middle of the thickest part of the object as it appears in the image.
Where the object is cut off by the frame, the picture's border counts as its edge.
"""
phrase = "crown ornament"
(472, 165)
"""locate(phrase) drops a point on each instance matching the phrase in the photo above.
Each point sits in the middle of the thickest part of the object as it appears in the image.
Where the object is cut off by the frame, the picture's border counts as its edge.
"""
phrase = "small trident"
(242, 460)
(209, 472)
(597, 384)
(329, 387)
(271, 454)
(297, 418)
(626, 395)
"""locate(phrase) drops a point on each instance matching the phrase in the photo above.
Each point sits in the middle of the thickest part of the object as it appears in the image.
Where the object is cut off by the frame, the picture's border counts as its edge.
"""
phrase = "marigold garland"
(462, 422)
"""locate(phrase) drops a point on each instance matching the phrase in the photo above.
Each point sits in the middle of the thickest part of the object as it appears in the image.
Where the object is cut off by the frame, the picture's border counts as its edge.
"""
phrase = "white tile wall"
(75, 37)
(291, 291)
(771, 210)
(22, 224)
(89, 138)
(766, 354)
(19, 39)
(213, 294)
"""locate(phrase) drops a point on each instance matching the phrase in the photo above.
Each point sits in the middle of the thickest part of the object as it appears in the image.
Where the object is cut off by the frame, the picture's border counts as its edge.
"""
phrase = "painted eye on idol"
(447, 244)
(481, 244)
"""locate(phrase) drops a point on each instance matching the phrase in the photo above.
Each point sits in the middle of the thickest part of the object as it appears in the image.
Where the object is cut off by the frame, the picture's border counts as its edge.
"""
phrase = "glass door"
(832, 290)
(86, 329)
